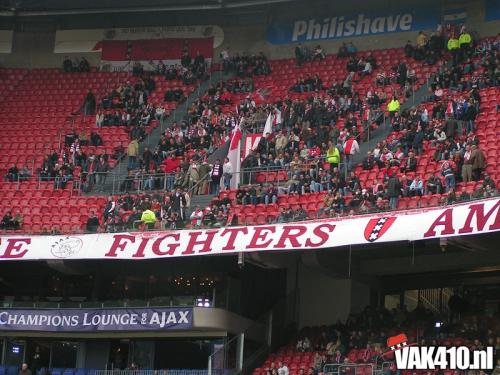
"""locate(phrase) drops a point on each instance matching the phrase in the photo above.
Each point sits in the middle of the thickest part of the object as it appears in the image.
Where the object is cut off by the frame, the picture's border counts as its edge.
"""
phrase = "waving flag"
(264, 93)
(234, 155)
(268, 128)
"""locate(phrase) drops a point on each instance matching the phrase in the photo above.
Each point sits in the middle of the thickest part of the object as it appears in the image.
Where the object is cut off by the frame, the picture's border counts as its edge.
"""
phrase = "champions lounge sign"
(85, 320)
(465, 219)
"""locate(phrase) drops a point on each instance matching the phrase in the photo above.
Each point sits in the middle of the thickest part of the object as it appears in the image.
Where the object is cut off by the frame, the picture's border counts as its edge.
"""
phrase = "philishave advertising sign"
(332, 25)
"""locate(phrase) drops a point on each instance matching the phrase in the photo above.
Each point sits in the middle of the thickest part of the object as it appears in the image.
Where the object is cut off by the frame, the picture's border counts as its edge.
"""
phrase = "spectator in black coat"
(92, 223)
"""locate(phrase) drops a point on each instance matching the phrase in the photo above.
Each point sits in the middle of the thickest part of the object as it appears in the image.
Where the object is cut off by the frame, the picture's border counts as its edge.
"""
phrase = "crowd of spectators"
(14, 174)
(307, 140)
(128, 104)
(160, 210)
(362, 338)
(189, 71)
(12, 222)
(302, 144)
(77, 65)
(304, 54)
(245, 65)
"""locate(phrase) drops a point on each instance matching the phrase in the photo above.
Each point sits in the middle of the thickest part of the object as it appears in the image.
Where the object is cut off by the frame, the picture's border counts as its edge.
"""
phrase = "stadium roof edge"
(220, 5)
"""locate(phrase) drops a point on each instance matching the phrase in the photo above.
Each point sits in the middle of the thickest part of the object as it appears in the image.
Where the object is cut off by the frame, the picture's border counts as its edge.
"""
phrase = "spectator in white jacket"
(227, 174)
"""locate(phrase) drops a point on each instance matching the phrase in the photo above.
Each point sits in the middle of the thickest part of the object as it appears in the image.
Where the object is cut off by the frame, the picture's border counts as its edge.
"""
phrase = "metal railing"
(171, 301)
(113, 371)
(141, 182)
(151, 182)
(385, 366)
(55, 229)
(349, 369)
(281, 174)
(435, 299)
(56, 183)
(344, 211)
(228, 358)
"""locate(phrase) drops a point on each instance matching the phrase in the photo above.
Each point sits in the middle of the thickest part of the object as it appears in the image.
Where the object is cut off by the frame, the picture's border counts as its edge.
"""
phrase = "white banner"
(127, 66)
(88, 40)
(465, 219)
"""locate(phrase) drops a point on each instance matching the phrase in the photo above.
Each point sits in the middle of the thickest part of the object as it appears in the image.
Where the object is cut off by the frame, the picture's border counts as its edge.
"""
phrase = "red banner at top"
(155, 49)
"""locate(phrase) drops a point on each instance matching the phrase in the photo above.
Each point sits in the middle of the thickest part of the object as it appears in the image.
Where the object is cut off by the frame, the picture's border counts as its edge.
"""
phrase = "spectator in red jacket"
(170, 164)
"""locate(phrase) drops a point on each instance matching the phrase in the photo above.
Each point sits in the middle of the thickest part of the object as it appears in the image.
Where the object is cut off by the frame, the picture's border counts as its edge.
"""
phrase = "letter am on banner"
(475, 217)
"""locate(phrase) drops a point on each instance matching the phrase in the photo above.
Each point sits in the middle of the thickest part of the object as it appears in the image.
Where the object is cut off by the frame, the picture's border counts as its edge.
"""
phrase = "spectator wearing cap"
(449, 176)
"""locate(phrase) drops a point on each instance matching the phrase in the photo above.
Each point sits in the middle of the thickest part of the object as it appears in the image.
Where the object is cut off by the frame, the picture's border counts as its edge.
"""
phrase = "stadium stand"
(58, 158)
(290, 175)
(366, 190)
(359, 345)
(148, 143)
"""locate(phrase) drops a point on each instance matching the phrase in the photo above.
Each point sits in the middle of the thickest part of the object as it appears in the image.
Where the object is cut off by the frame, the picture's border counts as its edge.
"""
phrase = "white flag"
(234, 155)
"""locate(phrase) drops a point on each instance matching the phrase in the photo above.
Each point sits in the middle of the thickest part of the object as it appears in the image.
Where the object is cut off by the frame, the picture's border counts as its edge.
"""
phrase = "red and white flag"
(449, 108)
(273, 119)
(268, 128)
(234, 155)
